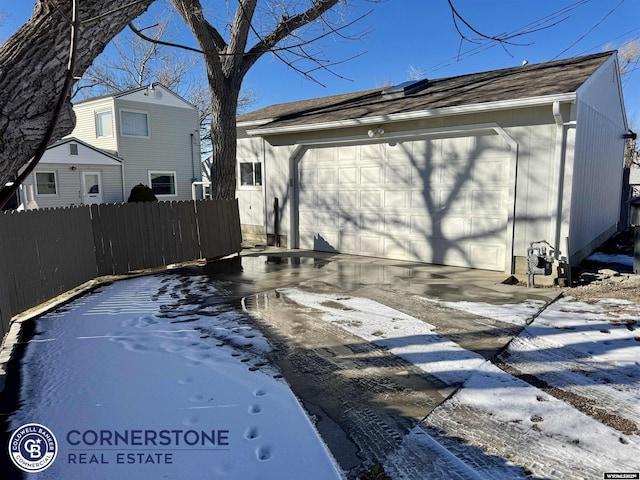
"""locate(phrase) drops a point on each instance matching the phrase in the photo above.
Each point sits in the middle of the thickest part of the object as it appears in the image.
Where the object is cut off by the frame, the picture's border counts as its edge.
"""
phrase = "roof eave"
(255, 123)
(405, 116)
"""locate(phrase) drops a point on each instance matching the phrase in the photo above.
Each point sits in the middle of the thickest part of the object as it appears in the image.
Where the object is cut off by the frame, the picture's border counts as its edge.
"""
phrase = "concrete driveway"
(363, 397)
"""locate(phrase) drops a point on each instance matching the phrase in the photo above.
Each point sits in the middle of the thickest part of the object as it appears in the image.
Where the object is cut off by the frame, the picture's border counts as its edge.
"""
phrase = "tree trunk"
(223, 141)
(33, 66)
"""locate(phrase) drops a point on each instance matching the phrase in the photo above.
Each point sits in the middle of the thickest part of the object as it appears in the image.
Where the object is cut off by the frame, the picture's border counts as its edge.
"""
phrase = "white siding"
(172, 146)
(251, 199)
(596, 186)
(278, 174)
(69, 181)
(85, 128)
(68, 170)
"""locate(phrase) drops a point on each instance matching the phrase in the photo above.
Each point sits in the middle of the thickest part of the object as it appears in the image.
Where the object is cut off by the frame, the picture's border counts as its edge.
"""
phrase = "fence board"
(46, 252)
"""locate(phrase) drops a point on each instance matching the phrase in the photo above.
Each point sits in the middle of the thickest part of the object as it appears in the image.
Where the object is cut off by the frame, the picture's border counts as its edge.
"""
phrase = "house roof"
(529, 81)
(134, 90)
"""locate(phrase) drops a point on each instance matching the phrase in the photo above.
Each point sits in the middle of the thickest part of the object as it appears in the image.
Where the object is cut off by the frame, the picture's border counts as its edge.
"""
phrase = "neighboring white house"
(148, 135)
(464, 171)
(72, 172)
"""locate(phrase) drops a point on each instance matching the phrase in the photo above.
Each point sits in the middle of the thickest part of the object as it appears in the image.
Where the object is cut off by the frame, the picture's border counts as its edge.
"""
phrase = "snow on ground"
(516, 314)
(554, 434)
(164, 354)
(403, 335)
(161, 356)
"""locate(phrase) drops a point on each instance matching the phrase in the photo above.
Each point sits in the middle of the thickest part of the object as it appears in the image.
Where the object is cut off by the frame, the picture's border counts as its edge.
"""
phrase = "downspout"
(193, 163)
(124, 188)
(265, 208)
(557, 187)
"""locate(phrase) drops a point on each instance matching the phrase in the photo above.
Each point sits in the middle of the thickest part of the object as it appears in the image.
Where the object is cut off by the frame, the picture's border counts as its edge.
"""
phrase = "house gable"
(60, 153)
(155, 93)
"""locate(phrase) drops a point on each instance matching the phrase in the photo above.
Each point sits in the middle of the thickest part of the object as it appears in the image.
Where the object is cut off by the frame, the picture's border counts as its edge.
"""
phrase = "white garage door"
(441, 201)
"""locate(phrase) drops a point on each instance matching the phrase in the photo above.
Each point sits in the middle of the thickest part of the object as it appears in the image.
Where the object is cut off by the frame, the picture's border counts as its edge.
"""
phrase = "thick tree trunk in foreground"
(224, 142)
(33, 66)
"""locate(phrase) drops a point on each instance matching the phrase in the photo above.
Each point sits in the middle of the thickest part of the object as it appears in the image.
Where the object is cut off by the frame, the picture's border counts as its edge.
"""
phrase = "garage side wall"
(251, 198)
(598, 164)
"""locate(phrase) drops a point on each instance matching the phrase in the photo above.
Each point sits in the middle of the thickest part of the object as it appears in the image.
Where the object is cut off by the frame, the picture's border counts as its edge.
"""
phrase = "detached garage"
(463, 171)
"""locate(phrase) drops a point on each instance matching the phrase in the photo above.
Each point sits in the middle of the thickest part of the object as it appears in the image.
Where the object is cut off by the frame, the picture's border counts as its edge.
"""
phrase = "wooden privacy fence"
(44, 253)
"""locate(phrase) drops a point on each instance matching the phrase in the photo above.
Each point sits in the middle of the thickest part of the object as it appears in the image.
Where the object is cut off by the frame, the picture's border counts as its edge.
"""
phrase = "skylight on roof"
(406, 88)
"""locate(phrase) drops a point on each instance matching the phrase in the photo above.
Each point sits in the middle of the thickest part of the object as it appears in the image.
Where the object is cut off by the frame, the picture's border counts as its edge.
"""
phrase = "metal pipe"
(555, 212)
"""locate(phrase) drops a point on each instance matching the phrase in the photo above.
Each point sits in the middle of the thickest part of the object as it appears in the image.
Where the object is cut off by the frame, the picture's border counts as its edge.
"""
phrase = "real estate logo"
(33, 447)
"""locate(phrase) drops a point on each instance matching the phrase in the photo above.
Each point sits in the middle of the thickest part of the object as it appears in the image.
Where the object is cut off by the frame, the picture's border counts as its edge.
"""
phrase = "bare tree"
(227, 61)
(38, 66)
(140, 57)
(629, 56)
(136, 62)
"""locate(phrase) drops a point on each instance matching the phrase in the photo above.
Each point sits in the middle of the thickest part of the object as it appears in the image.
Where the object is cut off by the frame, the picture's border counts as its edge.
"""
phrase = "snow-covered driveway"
(147, 378)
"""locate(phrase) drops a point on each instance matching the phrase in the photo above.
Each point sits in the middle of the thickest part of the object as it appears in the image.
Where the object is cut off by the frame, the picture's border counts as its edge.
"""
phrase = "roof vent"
(405, 88)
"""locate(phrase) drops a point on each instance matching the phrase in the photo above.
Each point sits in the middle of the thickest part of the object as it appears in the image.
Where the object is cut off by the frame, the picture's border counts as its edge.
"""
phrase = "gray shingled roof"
(550, 78)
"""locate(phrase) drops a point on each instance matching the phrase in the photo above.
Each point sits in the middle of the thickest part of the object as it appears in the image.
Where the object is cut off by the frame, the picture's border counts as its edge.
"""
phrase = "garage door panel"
(347, 175)
(371, 198)
(487, 201)
(486, 229)
(420, 200)
(308, 177)
(349, 243)
(398, 175)
(326, 176)
(348, 199)
(421, 250)
(395, 248)
(421, 225)
(370, 245)
(396, 199)
(400, 153)
(452, 201)
(489, 173)
(451, 228)
(485, 255)
(371, 222)
(397, 224)
(370, 175)
(347, 154)
(457, 147)
(308, 217)
(438, 201)
(327, 219)
(308, 197)
(372, 151)
(348, 223)
(450, 173)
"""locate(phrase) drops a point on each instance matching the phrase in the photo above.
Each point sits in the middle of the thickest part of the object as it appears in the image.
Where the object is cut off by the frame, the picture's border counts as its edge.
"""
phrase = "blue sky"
(419, 34)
